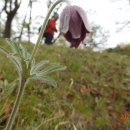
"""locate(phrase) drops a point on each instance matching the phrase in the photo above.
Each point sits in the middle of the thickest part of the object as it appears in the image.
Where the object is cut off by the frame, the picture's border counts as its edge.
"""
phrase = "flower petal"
(64, 20)
(84, 18)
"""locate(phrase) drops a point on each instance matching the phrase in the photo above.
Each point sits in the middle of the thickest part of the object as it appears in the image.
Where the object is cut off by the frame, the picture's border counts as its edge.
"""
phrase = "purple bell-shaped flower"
(74, 25)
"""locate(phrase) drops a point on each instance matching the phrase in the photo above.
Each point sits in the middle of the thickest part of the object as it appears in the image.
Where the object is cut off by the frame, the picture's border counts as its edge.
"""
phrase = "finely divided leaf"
(46, 79)
(38, 66)
(51, 68)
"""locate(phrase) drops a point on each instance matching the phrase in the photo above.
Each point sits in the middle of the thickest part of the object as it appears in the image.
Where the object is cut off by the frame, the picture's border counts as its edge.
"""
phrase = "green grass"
(92, 92)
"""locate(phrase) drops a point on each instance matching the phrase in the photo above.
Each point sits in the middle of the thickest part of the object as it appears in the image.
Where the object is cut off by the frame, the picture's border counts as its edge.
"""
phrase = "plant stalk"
(12, 117)
(43, 29)
(23, 80)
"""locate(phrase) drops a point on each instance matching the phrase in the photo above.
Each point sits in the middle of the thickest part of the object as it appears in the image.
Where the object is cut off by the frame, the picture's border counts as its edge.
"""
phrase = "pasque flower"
(74, 25)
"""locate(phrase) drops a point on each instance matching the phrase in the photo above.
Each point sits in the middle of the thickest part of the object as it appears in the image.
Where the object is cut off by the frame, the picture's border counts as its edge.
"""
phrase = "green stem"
(12, 117)
(43, 29)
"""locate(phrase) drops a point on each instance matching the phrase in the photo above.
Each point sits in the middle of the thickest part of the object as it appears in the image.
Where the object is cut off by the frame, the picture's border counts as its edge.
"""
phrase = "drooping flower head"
(74, 25)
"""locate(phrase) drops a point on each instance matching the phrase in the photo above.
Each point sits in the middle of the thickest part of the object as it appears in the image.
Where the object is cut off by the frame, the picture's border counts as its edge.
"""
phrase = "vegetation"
(92, 93)
(121, 49)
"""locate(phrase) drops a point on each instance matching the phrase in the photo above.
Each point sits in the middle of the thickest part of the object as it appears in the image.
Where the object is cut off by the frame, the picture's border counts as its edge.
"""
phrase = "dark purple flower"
(74, 25)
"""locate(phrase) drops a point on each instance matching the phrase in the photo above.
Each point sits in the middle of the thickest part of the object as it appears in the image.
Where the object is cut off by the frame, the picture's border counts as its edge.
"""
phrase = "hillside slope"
(92, 94)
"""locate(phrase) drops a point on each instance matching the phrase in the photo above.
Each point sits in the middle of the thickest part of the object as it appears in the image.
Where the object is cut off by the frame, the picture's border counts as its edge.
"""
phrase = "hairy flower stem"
(43, 29)
(22, 86)
(23, 81)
